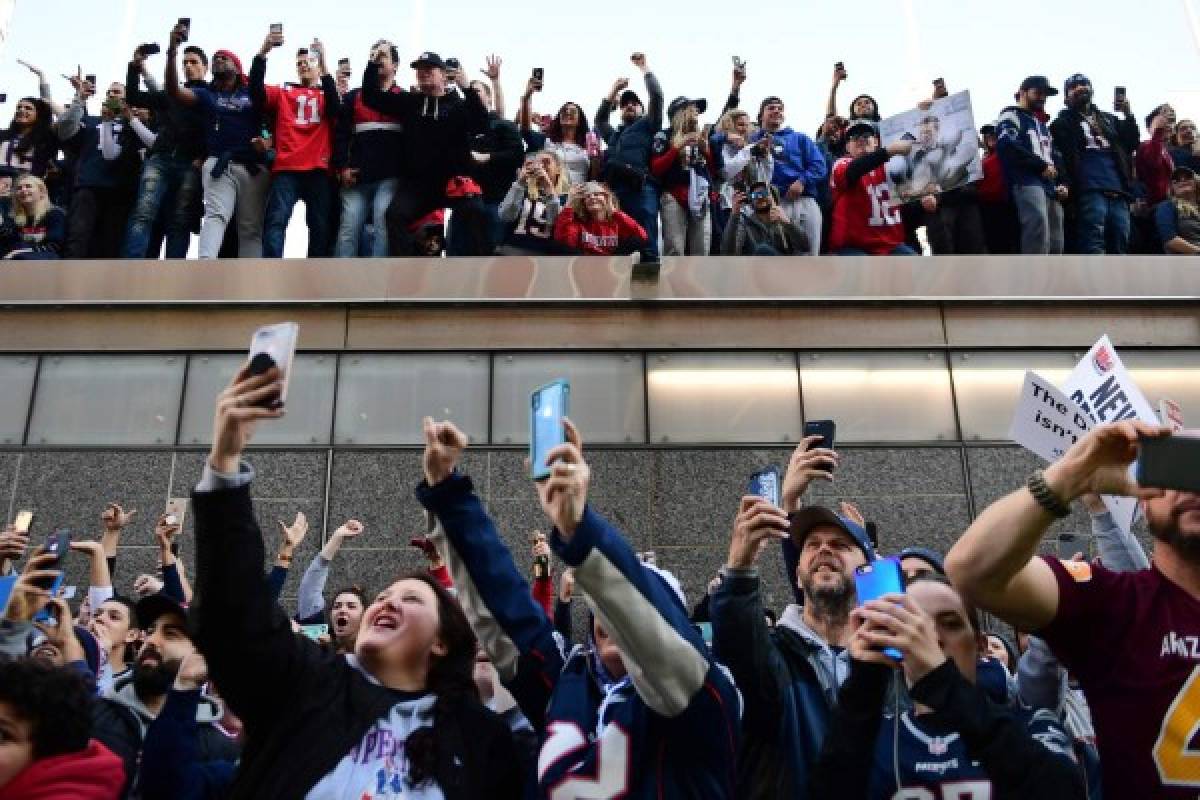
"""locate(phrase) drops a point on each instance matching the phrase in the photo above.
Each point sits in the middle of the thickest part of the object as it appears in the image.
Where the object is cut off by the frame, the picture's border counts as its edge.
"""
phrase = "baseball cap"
(858, 127)
(1039, 82)
(153, 606)
(1182, 172)
(428, 59)
(988, 130)
(809, 517)
(930, 557)
(1078, 79)
(682, 102)
(629, 96)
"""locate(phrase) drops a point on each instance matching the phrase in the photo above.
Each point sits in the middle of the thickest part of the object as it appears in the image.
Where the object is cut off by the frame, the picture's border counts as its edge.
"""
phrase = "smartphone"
(186, 22)
(874, 580)
(274, 346)
(176, 511)
(7, 583)
(826, 429)
(939, 83)
(765, 484)
(303, 51)
(57, 544)
(1118, 97)
(840, 67)
(706, 632)
(548, 405)
(150, 49)
(277, 33)
(314, 631)
(90, 79)
(1169, 462)
(539, 74)
(344, 66)
(3, 97)
(738, 63)
(24, 521)
(648, 557)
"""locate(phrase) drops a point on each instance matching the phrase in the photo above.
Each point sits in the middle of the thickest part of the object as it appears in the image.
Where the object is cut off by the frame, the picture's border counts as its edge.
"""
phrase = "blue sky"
(892, 48)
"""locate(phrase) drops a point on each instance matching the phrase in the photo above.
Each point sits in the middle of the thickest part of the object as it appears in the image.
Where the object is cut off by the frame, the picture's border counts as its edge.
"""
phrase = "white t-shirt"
(574, 158)
(377, 768)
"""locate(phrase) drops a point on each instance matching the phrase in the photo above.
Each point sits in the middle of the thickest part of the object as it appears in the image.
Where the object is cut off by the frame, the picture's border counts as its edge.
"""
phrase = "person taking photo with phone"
(762, 229)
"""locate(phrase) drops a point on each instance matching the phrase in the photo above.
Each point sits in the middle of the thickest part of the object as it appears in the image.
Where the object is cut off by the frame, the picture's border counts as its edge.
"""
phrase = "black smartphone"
(150, 49)
(1119, 98)
(186, 23)
(538, 74)
(826, 429)
(57, 545)
(840, 67)
(90, 79)
(1169, 462)
(3, 97)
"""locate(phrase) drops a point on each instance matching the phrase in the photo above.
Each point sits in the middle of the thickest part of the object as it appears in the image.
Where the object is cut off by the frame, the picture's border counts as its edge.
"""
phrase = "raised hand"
(895, 620)
(806, 465)
(238, 411)
(758, 522)
(115, 518)
(13, 544)
(564, 494)
(492, 70)
(444, 444)
(294, 534)
(1099, 462)
(35, 70)
(145, 585)
(30, 593)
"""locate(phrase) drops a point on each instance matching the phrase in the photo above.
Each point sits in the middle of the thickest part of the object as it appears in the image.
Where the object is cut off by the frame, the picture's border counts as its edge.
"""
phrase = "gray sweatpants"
(805, 213)
(1041, 218)
(235, 189)
(684, 234)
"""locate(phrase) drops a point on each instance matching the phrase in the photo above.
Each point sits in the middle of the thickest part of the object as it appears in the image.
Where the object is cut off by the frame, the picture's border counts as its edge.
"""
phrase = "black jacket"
(437, 130)
(305, 708)
(1017, 764)
(1069, 139)
(180, 127)
(503, 142)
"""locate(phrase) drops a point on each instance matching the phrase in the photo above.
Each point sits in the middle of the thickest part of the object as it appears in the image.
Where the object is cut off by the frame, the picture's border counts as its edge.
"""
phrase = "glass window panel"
(16, 376)
(723, 397)
(1173, 374)
(606, 394)
(309, 405)
(891, 396)
(382, 398)
(987, 385)
(107, 399)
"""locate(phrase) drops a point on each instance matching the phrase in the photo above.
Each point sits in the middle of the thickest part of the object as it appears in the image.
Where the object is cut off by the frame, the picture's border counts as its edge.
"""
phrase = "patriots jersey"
(667, 729)
(1025, 147)
(934, 762)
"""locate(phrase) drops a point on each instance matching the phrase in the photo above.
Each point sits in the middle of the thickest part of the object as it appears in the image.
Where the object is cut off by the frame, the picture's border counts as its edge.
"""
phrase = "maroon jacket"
(1154, 167)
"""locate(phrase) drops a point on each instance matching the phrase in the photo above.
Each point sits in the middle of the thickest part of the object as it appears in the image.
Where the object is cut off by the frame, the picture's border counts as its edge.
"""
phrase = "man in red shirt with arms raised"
(302, 116)
(866, 221)
(1130, 638)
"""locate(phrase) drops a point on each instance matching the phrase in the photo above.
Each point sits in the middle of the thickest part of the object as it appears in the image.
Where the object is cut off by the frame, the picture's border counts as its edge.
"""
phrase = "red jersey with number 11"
(863, 214)
(303, 132)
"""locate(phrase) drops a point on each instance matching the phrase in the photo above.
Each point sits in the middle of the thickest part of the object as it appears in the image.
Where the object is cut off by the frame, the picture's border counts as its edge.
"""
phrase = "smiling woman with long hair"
(35, 230)
(593, 225)
(566, 135)
(400, 715)
(29, 143)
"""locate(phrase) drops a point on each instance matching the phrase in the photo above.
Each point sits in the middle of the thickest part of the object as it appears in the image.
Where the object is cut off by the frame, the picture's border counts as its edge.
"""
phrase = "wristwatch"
(1045, 496)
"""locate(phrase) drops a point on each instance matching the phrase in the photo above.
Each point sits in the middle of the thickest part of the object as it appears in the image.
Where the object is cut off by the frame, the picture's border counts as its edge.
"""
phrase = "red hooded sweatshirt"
(597, 238)
(90, 774)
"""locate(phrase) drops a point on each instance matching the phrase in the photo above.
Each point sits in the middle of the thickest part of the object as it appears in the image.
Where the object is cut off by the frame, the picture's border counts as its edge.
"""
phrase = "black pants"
(956, 230)
(96, 222)
(1001, 229)
(413, 201)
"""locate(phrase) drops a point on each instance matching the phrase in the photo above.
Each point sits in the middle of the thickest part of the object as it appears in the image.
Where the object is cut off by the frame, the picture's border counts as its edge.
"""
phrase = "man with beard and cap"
(233, 176)
(789, 676)
(1129, 638)
(120, 721)
(627, 162)
(1097, 156)
(1027, 155)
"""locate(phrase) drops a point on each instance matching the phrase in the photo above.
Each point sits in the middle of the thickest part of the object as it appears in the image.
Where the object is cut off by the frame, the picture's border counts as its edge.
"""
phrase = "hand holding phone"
(549, 404)
(539, 75)
(185, 25)
(766, 484)
(274, 346)
(1169, 462)
(1120, 98)
(826, 429)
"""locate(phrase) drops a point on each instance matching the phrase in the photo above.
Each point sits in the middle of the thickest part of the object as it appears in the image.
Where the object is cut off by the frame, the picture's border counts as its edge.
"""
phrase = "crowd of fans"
(471, 679)
(440, 168)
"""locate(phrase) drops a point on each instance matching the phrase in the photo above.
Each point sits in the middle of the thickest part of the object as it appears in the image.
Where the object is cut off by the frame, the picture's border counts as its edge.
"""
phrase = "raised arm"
(311, 595)
(176, 91)
(839, 75)
(525, 111)
(394, 104)
(492, 70)
(114, 520)
(99, 582)
(995, 563)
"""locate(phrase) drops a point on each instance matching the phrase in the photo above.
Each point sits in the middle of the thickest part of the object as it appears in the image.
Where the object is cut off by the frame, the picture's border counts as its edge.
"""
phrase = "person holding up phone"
(533, 204)
(593, 225)
(1122, 634)
(954, 734)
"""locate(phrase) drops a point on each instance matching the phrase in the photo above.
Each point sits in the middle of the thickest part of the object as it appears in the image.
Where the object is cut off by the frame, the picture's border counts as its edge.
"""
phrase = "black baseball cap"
(428, 59)
(1038, 82)
(153, 606)
(629, 96)
(988, 130)
(857, 127)
(683, 102)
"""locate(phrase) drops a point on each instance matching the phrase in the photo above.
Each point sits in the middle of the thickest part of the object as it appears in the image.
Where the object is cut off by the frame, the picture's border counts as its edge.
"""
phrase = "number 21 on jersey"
(314, 110)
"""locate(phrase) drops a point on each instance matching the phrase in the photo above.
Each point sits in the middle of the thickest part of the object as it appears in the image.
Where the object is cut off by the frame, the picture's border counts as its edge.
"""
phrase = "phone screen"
(177, 509)
(765, 484)
(314, 631)
(1169, 462)
(274, 345)
(538, 73)
(826, 429)
(874, 580)
(548, 405)
(7, 583)
(24, 521)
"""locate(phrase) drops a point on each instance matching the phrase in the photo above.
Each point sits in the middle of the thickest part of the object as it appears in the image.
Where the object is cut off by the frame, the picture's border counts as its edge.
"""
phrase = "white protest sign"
(1046, 421)
(1102, 387)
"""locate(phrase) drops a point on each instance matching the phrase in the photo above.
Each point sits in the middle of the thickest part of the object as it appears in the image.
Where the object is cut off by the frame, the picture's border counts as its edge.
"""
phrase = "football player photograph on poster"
(945, 152)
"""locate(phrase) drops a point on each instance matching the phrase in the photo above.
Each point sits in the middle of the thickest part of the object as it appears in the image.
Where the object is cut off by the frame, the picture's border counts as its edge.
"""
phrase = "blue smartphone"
(765, 484)
(57, 545)
(7, 583)
(548, 405)
(872, 581)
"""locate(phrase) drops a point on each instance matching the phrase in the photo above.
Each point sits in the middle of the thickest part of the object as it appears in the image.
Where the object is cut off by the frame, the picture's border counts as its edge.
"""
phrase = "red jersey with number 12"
(1133, 641)
(303, 133)
(863, 214)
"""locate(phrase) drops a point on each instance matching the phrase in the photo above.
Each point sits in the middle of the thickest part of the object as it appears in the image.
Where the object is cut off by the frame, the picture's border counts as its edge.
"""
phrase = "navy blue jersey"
(668, 729)
(934, 762)
(1025, 147)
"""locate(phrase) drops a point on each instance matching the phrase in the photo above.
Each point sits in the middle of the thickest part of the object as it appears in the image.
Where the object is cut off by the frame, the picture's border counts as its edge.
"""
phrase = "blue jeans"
(315, 188)
(642, 205)
(1102, 224)
(168, 188)
(356, 200)
(898, 250)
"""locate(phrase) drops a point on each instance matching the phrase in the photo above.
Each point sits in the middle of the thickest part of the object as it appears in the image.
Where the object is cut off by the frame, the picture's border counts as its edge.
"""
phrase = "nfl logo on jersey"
(938, 746)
